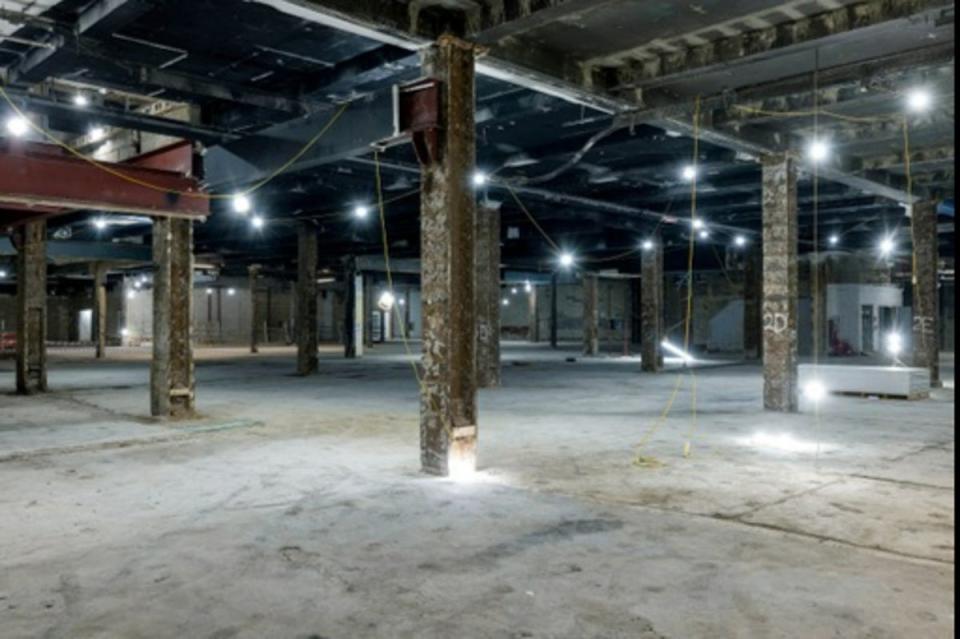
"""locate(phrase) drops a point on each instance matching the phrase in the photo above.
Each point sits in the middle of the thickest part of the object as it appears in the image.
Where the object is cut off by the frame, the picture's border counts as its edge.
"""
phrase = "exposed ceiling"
(585, 105)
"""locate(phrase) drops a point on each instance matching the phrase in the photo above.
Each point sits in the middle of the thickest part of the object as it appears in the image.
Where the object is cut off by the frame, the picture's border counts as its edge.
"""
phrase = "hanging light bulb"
(566, 260)
(257, 222)
(919, 100)
(689, 173)
(479, 178)
(241, 204)
(361, 212)
(17, 126)
(818, 151)
(647, 245)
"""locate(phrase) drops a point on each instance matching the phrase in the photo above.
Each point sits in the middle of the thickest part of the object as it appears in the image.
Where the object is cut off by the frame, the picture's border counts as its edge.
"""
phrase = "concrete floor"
(294, 507)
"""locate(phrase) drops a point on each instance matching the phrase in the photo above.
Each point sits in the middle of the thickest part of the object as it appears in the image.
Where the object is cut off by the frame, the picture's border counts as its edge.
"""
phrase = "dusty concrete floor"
(294, 507)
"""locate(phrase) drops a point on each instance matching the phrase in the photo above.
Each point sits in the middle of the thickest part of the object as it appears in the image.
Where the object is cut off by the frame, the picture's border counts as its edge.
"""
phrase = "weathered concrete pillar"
(554, 309)
(651, 311)
(819, 280)
(100, 308)
(533, 315)
(182, 379)
(307, 342)
(591, 316)
(487, 270)
(753, 306)
(926, 303)
(780, 283)
(256, 314)
(448, 406)
(172, 382)
(31, 243)
(353, 318)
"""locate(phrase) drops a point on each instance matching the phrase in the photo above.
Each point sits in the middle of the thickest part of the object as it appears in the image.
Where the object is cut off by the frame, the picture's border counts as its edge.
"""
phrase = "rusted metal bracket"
(418, 114)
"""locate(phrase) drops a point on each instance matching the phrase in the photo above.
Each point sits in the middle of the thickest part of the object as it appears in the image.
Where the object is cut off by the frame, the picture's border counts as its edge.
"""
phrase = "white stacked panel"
(895, 381)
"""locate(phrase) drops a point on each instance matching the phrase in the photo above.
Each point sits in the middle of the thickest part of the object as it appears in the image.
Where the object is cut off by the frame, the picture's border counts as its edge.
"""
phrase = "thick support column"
(353, 320)
(487, 238)
(591, 316)
(307, 341)
(100, 308)
(926, 303)
(533, 316)
(753, 306)
(554, 309)
(172, 382)
(256, 314)
(651, 311)
(31, 243)
(182, 380)
(780, 284)
(448, 403)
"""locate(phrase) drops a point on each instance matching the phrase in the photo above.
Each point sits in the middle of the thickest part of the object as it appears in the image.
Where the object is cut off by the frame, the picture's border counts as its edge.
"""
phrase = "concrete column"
(533, 316)
(753, 306)
(100, 308)
(591, 316)
(31, 243)
(172, 384)
(353, 324)
(487, 270)
(780, 283)
(651, 308)
(554, 309)
(926, 303)
(256, 319)
(182, 379)
(307, 342)
(448, 406)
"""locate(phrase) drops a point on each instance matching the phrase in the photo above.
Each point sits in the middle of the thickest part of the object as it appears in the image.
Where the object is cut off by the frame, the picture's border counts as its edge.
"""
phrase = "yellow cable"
(155, 187)
(532, 219)
(389, 270)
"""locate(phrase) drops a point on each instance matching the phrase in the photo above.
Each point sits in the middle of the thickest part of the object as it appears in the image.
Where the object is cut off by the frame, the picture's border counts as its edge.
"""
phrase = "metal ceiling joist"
(39, 175)
(76, 250)
(122, 119)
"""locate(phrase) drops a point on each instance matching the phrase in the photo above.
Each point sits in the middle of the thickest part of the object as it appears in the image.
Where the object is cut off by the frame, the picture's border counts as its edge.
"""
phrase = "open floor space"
(295, 507)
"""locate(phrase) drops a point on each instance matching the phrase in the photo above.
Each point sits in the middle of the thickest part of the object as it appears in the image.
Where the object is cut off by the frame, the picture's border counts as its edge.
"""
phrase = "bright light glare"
(818, 151)
(17, 126)
(679, 352)
(131, 295)
(740, 241)
(80, 100)
(124, 332)
(479, 178)
(566, 260)
(919, 100)
(257, 222)
(833, 240)
(514, 290)
(386, 301)
(814, 390)
(704, 234)
(887, 246)
(97, 133)
(697, 224)
(209, 291)
(361, 212)
(231, 292)
(241, 204)
(894, 344)
(689, 173)
(506, 302)
(99, 223)
(3, 273)
(782, 442)
(647, 245)
(528, 287)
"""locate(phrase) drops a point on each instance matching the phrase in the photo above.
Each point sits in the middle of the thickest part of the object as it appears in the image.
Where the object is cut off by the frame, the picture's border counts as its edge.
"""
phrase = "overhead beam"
(102, 16)
(120, 119)
(748, 46)
(81, 251)
(43, 175)
(255, 157)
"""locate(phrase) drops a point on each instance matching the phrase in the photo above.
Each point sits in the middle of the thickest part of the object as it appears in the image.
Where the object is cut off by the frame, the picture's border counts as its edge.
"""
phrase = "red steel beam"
(40, 175)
